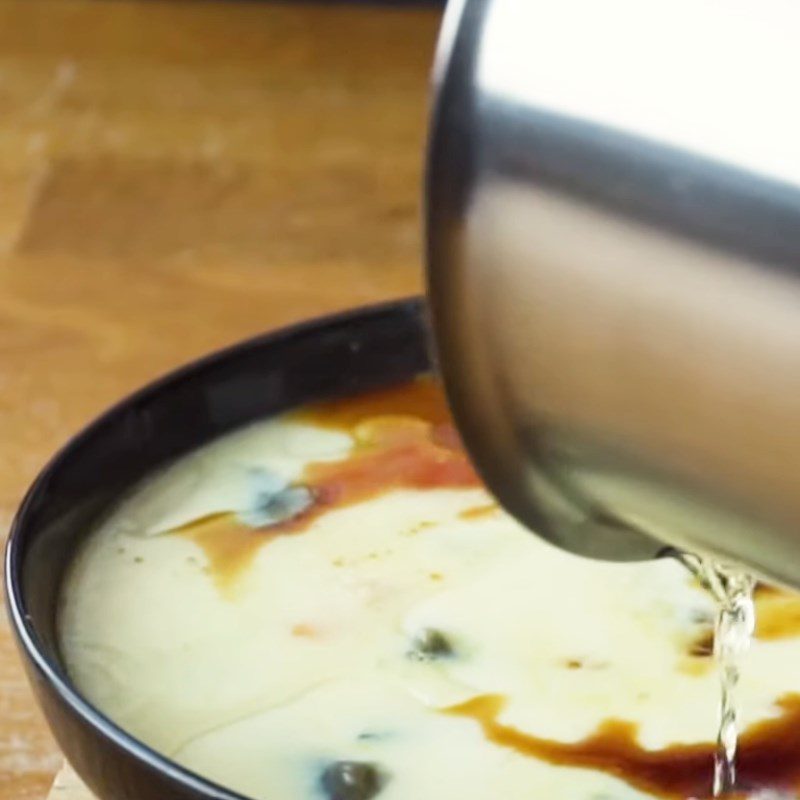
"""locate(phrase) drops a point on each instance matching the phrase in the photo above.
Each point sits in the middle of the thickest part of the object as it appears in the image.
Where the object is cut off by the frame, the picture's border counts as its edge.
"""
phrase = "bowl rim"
(22, 626)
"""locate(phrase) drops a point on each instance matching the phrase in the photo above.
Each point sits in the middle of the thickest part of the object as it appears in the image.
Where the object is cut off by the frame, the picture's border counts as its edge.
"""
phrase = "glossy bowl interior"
(334, 356)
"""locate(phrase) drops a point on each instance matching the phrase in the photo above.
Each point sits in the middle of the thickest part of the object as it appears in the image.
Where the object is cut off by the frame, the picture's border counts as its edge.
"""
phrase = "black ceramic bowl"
(330, 357)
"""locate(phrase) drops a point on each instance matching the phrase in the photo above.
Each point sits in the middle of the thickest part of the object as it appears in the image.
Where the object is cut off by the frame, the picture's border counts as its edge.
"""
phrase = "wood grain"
(174, 177)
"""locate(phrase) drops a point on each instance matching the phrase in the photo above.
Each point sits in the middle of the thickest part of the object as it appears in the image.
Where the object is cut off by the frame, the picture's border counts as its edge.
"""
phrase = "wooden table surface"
(174, 177)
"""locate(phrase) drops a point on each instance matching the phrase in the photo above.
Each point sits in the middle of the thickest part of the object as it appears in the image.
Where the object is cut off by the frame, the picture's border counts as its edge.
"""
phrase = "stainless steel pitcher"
(613, 232)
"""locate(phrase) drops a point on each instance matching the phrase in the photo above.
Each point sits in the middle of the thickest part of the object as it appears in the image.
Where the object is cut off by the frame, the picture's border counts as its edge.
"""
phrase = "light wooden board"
(68, 786)
(174, 177)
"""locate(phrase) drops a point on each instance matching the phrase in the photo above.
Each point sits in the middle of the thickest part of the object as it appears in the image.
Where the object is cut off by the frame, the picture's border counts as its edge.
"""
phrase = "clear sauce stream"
(734, 592)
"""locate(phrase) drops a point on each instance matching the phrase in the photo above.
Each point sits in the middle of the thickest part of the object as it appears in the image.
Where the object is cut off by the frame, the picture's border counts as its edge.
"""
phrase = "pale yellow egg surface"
(334, 589)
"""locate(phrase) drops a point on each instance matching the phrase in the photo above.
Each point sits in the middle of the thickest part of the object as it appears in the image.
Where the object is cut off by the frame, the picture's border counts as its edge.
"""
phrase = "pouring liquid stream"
(735, 621)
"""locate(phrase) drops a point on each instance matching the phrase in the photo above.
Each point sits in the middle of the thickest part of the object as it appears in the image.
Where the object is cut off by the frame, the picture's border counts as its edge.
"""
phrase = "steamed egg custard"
(328, 605)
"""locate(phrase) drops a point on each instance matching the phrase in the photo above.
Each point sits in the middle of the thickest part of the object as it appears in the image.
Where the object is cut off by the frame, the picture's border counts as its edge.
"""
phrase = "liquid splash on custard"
(403, 439)
(777, 615)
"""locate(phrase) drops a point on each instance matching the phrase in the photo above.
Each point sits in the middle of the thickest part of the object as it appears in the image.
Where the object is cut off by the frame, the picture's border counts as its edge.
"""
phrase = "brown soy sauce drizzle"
(421, 398)
(769, 754)
(777, 613)
(403, 440)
